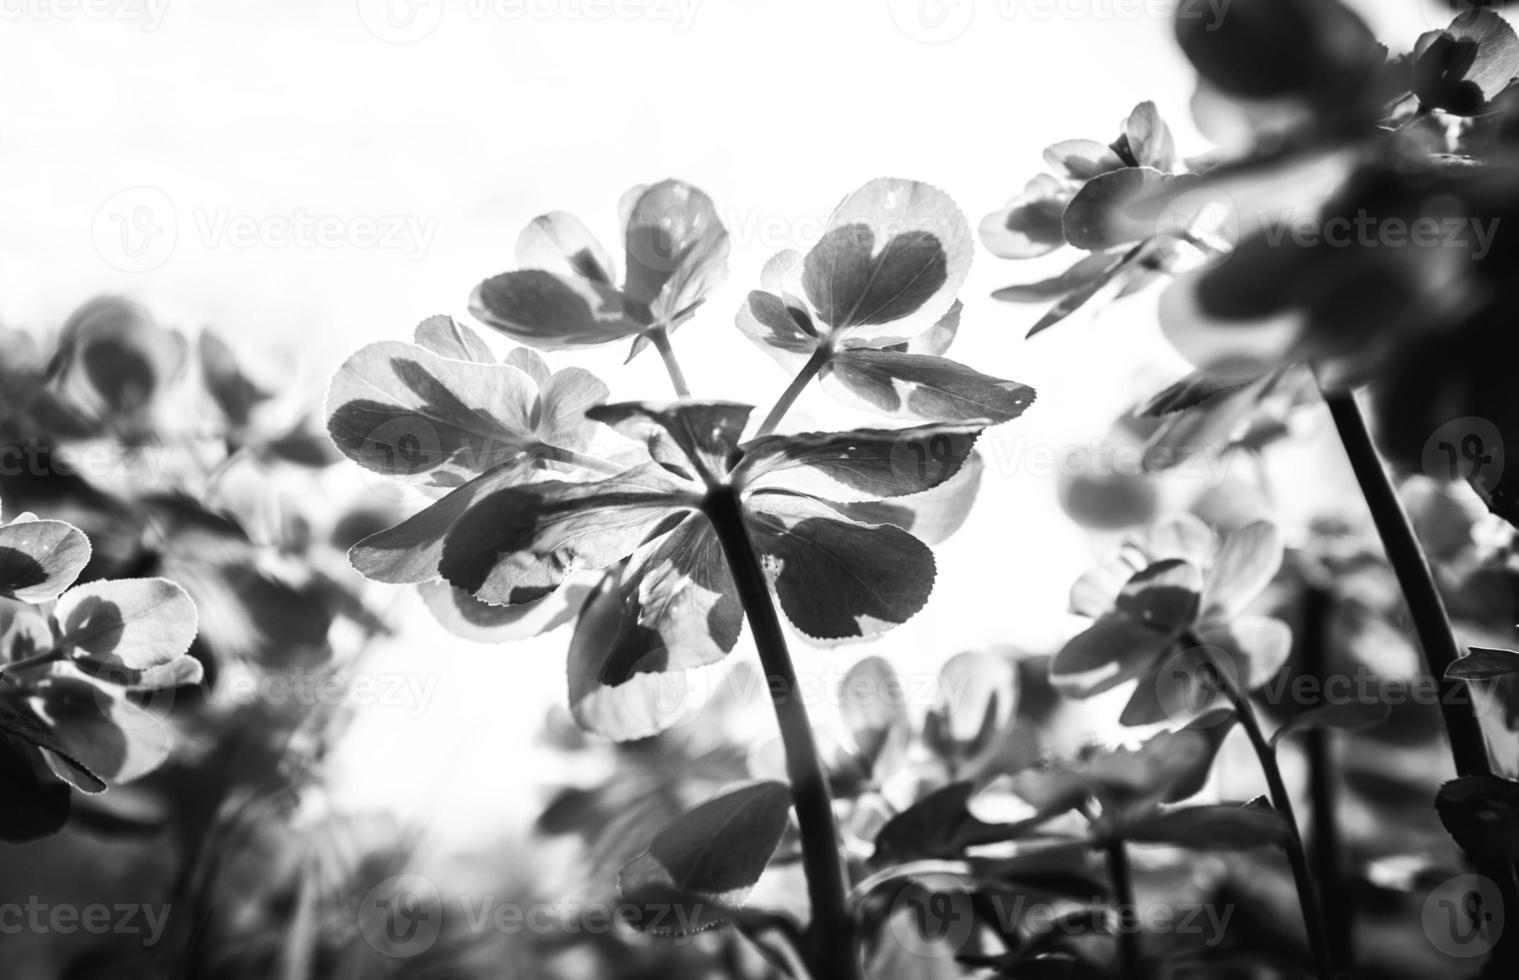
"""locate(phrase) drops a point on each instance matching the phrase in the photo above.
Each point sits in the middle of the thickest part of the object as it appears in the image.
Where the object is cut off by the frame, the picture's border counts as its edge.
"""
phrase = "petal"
(1112, 650)
(447, 337)
(403, 411)
(677, 250)
(1184, 536)
(560, 243)
(1096, 592)
(835, 579)
(531, 363)
(696, 439)
(1029, 225)
(1246, 563)
(922, 387)
(39, 559)
(408, 553)
(861, 464)
(552, 312)
(890, 262)
(930, 516)
(520, 543)
(1258, 645)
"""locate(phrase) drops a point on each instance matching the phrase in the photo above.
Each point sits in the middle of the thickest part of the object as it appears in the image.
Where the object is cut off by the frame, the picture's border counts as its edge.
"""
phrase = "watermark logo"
(401, 21)
(1463, 916)
(136, 229)
(402, 916)
(932, 21)
(1469, 448)
(146, 14)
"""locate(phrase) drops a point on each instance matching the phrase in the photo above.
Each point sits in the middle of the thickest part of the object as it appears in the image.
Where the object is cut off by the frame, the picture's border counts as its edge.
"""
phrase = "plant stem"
(1123, 896)
(660, 338)
(831, 933)
(1424, 603)
(1307, 895)
(581, 459)
(37, 660)
(798, 384)
(1325, 853)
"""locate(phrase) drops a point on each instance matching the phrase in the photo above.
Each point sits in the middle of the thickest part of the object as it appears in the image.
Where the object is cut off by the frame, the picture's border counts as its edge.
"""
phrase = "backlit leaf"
(447, 337)
(552, 312)
(126, 626)
(858, 464)
(39, 559)
(922, 387)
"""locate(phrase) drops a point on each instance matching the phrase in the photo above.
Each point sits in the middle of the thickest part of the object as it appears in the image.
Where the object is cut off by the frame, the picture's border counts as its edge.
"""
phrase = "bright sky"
(184, 153)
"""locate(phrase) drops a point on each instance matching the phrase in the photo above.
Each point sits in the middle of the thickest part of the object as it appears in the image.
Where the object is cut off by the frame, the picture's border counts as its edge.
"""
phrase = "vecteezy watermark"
(146, 14)
(409, 692)
(38, 917)
(144, 465)
(403, 916)
(407, 21)
(138, 229)
(937, 21)
(1463, 916)
(1366, 230)
(934, 917)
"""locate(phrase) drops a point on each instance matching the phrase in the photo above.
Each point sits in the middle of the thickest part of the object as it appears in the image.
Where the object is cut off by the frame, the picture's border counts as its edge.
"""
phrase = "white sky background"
(272, 110)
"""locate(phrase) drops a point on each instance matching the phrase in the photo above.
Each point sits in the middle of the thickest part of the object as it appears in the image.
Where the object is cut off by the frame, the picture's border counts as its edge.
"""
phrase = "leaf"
(39, 559)
(1350, 716)
(1029, 225)
(403, 411)
(639, 704)
(1196, 389)
(552, 312)
(677, 251)
(697, 440)
(783, 330)
(232, 390)
(932, 515)
(1208, 828)
(1467, 64)
(1082, 159)
(1264, 49)
(1148, 138)
(702, 865)
(560, 243)
(113, 737)
(519, 544)
(463, 615)
(975, 698)
(113, 359)
(560, 414)
(409, 553)
(1114, 649)
(1482, 814)
(873, 707)
(37, 805)
(126, 627)
(942, 826)
(922, 387)
(864, 464)
(1120, 276)
(1247, 561)
(447, 337)
(1482, 663)
(1164, 596)
(835, 579)
(1111, 210)
(22, 723)
(1086, 270)
(890, 262)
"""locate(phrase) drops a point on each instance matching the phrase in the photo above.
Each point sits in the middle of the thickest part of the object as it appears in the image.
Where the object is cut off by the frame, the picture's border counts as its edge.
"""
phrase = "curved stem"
(1307, 895)
(660, 338)
(581, 459)
(794, 389)
(831, 933)
(1424, 603)
(1128, 914)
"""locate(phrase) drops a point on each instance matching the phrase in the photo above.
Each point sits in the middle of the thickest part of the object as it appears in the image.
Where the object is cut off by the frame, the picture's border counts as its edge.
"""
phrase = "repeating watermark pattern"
(1467, 448)
(38, 917)
(1463, 916)
(148, 15)
(409, 21)
(146, 465)
(403, 916)
(409, 692)
(139, 228)
(934, 918)
(938, 21)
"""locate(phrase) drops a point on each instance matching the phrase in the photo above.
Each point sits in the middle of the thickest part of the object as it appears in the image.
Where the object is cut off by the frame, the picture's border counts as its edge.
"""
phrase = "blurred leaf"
(1086, 270)
(1029, 225)
(941, 826)
(873, 707)
(36, 805)
(975, 699)
(1482, 814)
(702, 865)
(1483, 664)
(1206, 828)
(1108, 210)
(1348, 716)
(447, 337)
(923, 387)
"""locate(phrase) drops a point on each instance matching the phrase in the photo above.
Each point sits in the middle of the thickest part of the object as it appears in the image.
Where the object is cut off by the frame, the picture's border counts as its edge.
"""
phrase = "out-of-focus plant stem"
(831, 934)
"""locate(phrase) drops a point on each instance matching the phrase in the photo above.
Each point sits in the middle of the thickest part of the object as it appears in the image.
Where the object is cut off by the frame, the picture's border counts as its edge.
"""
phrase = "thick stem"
(1325, 853)
(660, 338)
(831, 933)
(1424, 603)
(794, 389)
(1128, 914)
(1307, 895)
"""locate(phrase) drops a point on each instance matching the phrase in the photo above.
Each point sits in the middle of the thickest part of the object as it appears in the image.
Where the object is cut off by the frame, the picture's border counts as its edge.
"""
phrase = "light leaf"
(922, 387)
(860, 464)
(447, 337)
(39, 559)
(124, 627)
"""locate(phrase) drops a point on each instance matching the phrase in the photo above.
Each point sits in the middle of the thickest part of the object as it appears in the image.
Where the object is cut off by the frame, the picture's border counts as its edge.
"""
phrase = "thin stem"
(1128, 915)
(1307, 896)
(831, 933)
(1325, 850)
(38, 660)
(591, 463)
(660, 338)
(794, 389)
(1424, 603)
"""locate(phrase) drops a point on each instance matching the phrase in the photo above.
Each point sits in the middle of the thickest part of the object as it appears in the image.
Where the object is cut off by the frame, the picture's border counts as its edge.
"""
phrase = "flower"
(1165, 604)
(676, 253)
(669, 602)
